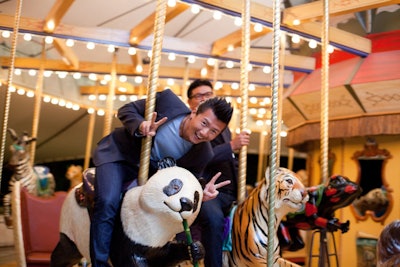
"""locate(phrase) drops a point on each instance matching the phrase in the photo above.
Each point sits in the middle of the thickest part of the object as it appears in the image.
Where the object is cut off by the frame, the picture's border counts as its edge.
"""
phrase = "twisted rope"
(110, 97)
(244, 84)
(274, 129)
(152, 87)
(325, 94)
(9, 84)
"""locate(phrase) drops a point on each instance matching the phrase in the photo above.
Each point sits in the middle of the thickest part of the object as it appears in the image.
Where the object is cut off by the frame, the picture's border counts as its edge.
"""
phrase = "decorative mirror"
(376, 199)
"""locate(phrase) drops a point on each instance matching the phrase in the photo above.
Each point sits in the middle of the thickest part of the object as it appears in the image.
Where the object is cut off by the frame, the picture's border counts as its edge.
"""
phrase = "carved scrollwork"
(376, 199)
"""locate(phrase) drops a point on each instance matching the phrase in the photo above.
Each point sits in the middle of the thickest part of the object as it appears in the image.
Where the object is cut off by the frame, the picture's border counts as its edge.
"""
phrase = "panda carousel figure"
(150, 217)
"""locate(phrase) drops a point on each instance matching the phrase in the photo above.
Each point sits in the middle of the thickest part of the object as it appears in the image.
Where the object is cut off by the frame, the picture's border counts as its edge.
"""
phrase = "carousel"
(311, 80)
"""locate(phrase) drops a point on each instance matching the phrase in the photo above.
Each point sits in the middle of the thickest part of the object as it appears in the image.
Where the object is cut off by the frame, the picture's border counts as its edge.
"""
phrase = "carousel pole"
(152, 87)
(274, 128)
(151, 99)
(110, 98)
(89, 136)
(244, 84)
(323, 251)
(9, 85)
(325, 93)
(38, 102)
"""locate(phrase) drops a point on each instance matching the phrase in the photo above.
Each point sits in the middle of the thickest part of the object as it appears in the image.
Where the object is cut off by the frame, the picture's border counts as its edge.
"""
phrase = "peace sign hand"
(149, 128)
(210, 190)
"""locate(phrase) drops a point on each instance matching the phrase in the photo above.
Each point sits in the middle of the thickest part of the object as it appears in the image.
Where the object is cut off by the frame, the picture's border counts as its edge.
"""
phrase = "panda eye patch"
(173, 187)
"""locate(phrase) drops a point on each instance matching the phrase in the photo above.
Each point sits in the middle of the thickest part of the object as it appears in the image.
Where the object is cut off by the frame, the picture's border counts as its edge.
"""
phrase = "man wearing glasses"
(212, 213)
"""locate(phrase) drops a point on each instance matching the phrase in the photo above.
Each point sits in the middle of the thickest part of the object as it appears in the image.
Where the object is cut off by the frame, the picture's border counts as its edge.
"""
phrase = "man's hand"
(210, 191)
(241, 139)
(149, 128)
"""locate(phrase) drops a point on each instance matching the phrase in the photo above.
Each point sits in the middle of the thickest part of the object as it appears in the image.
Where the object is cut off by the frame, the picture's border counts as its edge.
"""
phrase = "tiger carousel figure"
(249, 230)
(36, 179)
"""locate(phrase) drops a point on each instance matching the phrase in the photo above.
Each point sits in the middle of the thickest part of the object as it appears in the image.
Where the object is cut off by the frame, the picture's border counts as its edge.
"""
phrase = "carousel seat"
(36, 225)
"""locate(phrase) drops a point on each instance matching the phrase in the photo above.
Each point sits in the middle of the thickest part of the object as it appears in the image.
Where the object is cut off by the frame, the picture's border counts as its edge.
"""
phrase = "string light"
(171, 56)
(258, 27)
(6, 34)
(217, 15)
(203, 72)
(139, 68)
(211, 62)
(70, 43)
(238, 21)
(47, 73)
(312, 44)
(48, 39)
(171, 3)
(90, 45)
(131, 51)
(191, 59)
(195, 9)
(229, 64)
(32, 72)
(111, 49)
(27, 37)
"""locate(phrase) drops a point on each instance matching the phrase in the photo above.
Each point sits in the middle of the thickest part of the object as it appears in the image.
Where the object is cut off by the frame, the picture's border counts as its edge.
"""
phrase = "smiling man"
(178, 132)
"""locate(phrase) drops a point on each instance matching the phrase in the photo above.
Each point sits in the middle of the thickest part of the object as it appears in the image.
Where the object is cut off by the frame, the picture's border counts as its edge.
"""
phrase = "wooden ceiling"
(129, 24)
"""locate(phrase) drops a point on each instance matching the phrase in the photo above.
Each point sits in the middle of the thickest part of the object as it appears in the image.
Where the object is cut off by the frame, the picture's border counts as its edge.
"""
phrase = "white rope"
(244, 84)
(9, 84)
(325, 94)
(152, 88)
(274, 128)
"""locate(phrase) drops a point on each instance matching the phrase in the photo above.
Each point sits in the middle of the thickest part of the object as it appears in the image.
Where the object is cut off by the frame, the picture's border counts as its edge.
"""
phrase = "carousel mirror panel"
(376, 199)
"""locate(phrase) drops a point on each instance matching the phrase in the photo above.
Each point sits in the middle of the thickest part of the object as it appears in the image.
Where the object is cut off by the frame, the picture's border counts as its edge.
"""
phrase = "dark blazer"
(124, 144)
(224, 161)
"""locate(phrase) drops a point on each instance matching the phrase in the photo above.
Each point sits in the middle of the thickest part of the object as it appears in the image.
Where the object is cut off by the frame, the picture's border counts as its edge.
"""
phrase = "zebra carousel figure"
(37, 180)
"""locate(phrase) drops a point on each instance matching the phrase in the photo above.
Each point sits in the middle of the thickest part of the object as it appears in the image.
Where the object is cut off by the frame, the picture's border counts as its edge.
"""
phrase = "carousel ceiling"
(79, 44)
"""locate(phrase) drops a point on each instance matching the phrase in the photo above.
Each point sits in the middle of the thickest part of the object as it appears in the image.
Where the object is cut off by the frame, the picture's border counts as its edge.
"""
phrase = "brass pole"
(152, 87)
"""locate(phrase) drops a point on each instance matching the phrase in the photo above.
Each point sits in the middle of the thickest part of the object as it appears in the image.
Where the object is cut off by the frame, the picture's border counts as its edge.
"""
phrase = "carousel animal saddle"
(84, 194)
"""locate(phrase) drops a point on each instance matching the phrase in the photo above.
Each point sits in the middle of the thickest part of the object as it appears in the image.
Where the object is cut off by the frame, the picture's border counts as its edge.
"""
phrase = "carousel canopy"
(74, 43)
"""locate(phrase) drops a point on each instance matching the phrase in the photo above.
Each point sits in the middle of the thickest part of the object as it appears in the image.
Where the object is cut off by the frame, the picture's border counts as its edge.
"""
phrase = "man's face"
(202, 127)
(198, 95)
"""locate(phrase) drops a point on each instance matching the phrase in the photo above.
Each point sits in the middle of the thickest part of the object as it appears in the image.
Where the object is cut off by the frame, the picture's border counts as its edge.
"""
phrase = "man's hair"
(221, 108)
(197, 83)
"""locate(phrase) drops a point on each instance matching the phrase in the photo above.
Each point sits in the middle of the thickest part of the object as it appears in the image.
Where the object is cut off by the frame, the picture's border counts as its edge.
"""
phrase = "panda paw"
(196, 251)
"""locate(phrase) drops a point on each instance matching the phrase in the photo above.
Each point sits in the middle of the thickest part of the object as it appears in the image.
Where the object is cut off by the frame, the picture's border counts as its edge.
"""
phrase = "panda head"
(174, 193)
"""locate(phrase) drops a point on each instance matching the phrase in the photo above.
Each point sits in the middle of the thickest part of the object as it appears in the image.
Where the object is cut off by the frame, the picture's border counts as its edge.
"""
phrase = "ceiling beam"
(146, 26)
(314, 10)
(94, 67)
(259, 91)
(224, 75)
(51, 22)
(68, 56)
(120, 38)
(234, 40)
(263, 56)
(347, 41)
(55, 15)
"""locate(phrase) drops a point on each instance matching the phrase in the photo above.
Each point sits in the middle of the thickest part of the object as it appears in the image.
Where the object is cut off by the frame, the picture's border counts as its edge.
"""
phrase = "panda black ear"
(166, 163)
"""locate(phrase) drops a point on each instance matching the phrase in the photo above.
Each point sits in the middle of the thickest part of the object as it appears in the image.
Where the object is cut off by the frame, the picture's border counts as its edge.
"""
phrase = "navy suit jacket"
(124, 145)
(224, 161)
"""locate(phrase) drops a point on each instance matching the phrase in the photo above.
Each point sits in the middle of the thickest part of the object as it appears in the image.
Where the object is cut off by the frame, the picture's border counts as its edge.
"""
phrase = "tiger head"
(290, 193)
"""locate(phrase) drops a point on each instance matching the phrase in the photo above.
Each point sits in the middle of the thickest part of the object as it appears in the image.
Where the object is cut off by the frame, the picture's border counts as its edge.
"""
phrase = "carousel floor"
(7, 257)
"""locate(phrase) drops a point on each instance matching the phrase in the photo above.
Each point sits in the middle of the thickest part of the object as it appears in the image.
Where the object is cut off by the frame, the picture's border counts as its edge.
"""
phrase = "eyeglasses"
(200, 96)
